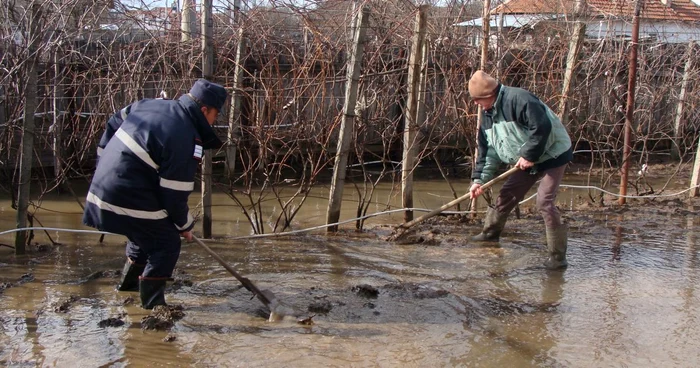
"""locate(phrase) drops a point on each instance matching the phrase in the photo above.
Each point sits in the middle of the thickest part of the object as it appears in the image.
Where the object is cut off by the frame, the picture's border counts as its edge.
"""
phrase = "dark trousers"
(155, 244)
(518, 184)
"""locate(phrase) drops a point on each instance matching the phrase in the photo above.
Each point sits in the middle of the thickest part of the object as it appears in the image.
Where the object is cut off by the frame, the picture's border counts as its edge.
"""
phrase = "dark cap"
(209, 94)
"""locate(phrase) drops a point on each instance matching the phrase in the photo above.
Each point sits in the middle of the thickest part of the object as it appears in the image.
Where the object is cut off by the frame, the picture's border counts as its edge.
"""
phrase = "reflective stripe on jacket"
(147, 168)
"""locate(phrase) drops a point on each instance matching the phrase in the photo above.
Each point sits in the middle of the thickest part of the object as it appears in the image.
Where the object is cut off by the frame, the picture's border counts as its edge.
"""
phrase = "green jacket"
(519, 125)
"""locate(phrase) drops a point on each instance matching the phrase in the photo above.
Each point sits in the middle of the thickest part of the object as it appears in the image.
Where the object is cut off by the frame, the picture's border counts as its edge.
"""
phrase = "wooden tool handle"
(459, 200)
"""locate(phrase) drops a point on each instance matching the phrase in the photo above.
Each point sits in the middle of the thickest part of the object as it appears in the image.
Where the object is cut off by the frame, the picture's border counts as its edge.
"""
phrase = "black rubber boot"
(130, 276)
(556, 245)
(494, 222)
(152, 291)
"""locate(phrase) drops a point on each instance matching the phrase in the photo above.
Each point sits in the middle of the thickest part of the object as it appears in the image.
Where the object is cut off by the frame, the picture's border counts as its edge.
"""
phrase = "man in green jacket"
(519, 129)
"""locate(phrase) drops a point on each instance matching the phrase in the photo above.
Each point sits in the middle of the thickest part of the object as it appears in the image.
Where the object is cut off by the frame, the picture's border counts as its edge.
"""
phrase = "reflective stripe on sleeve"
(190, 220)
(99, 151)
(185, 186)
(147, 215)
(135, 148)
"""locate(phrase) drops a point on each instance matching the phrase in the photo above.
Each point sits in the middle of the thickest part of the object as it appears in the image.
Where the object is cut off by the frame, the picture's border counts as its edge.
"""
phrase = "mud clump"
(308, 321)
(501, 307)
(153, 323)
(366, 291)
(42, 248)
(111, 274)
(431, 231)
(169, 338)
(417, 291)
(179, 284)
(162, 317)
(27, 277)
(128, 301)
(111, 322)
(322, 307)
(4, 285)
(180, 279)
(64, 305)
(429, 237)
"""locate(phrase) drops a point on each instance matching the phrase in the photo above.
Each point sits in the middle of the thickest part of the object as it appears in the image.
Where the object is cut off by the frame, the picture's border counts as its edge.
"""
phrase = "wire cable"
(259, 236)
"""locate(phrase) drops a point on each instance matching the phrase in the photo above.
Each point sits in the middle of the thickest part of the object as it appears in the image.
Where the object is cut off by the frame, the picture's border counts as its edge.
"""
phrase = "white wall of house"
(667, 32)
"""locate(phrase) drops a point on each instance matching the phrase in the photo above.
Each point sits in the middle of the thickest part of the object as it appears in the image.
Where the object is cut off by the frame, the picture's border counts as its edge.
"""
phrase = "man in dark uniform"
(145, 174)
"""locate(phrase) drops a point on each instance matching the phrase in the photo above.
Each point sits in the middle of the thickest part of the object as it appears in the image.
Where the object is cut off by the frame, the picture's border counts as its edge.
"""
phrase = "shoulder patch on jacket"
(198, 151)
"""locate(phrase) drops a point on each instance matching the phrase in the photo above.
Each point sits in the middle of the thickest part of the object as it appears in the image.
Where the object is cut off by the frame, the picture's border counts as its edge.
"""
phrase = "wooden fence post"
(486, 34)
(207, 73)
(695, 180)
(187, 20)
(28, 130)
(57, 125)
(234, 121)
(678, 121)
(629, 114)
(2, 107)
(575, 43)
(346, 126)
(411, 125)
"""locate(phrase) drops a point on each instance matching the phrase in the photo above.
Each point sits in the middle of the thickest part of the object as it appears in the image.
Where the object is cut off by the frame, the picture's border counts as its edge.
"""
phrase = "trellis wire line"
(257, 236)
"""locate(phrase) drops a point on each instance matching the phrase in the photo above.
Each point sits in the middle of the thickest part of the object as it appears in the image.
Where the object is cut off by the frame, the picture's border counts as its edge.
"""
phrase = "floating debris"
(170, 338)
(128, 301)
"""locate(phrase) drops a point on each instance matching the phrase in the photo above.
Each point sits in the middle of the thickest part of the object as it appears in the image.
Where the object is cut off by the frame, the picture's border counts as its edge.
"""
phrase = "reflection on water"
(628, 299)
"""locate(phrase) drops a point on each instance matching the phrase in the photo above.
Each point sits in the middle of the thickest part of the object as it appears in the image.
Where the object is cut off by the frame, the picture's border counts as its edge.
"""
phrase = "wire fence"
(94, 57)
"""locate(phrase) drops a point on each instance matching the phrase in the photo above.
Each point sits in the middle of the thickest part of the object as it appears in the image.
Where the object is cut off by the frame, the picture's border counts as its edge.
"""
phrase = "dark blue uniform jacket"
(146, 169)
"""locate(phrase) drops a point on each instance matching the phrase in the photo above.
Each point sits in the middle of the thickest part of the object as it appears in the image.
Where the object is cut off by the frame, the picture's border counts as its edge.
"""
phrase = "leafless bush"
(93, 60)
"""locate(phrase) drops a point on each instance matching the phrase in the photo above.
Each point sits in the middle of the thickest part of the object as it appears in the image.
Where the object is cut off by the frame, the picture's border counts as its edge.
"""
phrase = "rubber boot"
(494, 222)
(152, 291)
(130, 276)
(556, 245)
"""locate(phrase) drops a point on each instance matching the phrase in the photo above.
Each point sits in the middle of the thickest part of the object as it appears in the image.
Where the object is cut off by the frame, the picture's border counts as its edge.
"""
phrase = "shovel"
(277, 310)
(401, 229)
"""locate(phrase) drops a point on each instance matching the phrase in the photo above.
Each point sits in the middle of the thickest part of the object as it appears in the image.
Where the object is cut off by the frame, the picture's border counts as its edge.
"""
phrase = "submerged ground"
(629, 297)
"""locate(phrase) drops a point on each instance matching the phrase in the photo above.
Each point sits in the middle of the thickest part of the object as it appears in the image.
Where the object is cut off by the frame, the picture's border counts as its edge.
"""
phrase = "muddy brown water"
(629, 297)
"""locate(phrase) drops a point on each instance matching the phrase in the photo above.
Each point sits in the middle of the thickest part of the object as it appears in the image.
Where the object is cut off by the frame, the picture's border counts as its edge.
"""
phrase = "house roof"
(510, 20)
(679, 10)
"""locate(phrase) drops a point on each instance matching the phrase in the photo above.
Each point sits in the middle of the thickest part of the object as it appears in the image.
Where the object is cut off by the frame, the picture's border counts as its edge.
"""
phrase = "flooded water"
(629, 297)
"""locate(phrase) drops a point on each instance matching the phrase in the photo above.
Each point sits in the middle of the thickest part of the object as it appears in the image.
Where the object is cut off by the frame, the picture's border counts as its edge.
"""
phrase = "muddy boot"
(130, 276)
(152, 291)
(556, 245)
(494, 222)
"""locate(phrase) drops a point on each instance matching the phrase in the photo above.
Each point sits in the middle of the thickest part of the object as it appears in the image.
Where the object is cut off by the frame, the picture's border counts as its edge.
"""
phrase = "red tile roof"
(679, 10)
